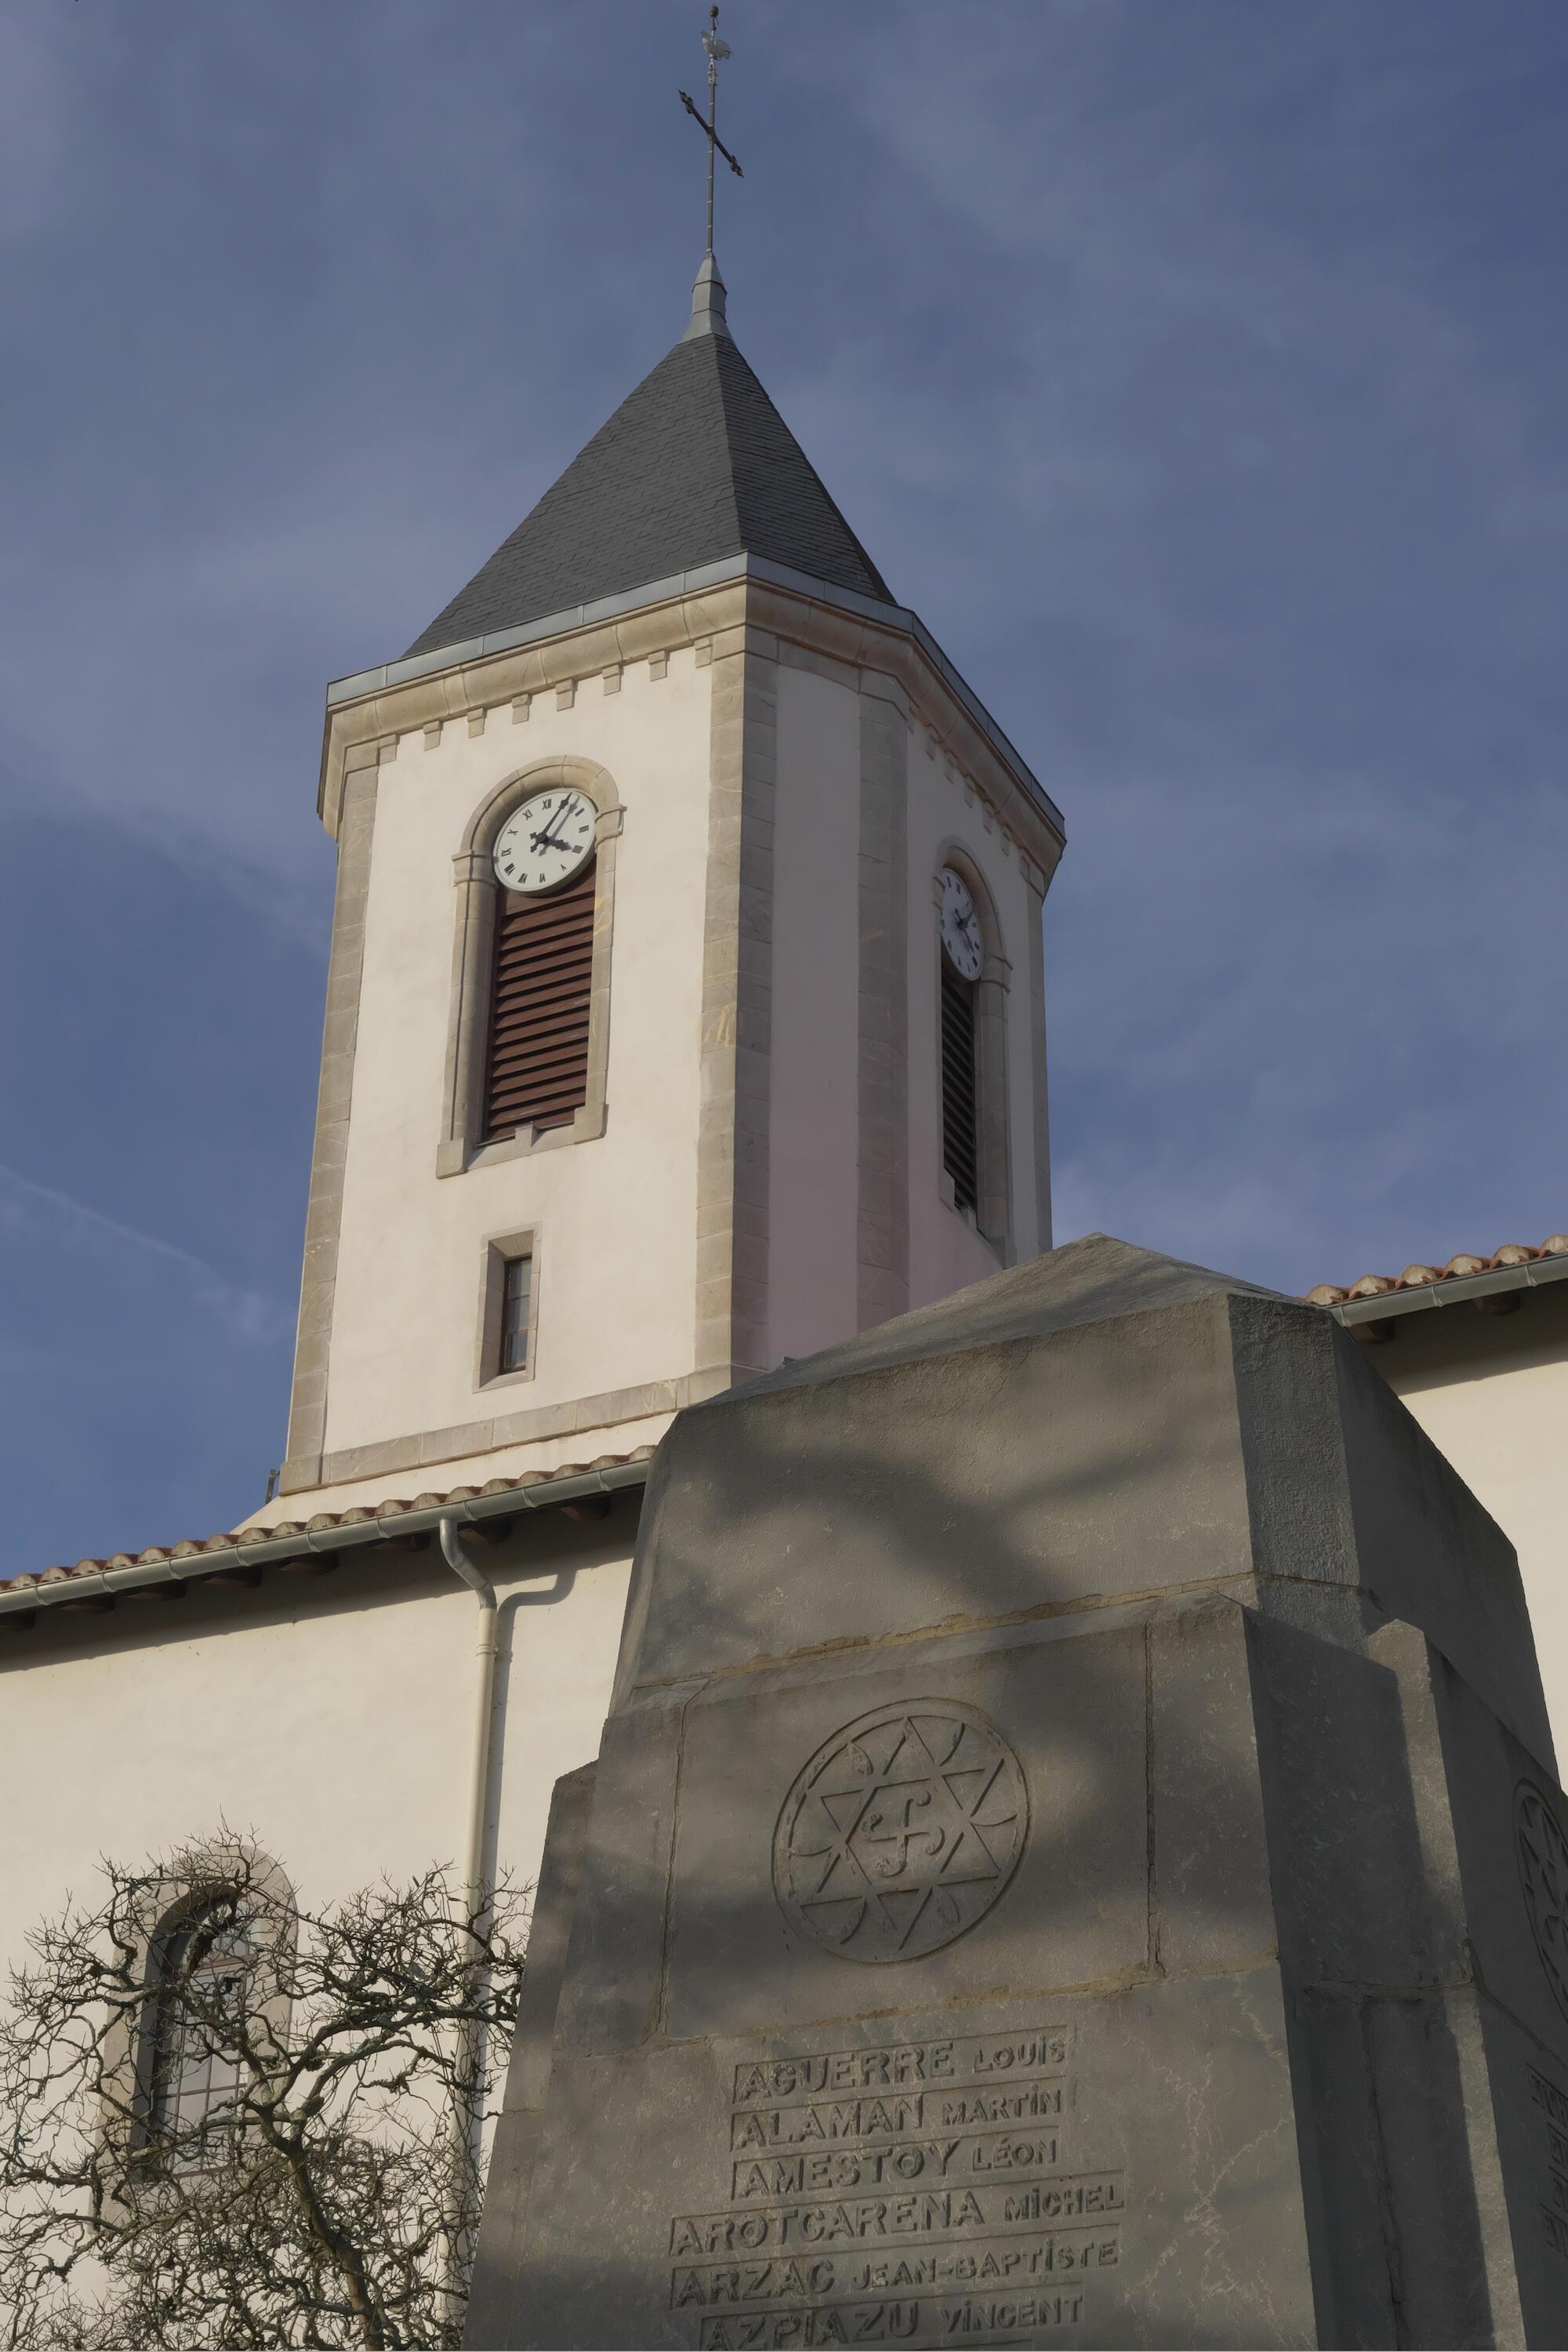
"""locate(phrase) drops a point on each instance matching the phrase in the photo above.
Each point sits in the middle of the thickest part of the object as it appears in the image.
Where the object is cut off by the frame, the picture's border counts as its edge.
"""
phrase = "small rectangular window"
(517, 1293)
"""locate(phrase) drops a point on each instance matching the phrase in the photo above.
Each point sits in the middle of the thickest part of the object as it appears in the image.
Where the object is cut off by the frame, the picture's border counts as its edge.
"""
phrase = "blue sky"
(1196, 372)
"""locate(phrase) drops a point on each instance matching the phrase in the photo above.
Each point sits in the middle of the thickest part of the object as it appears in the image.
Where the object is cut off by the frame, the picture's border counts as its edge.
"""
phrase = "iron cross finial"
(717, 50)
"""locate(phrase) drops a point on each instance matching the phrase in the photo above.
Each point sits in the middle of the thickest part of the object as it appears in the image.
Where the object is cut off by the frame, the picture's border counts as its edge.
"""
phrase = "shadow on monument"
(1050, 1874)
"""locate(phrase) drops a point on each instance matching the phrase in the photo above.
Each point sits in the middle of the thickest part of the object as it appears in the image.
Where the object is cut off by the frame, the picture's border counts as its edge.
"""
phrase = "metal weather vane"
(717, 50)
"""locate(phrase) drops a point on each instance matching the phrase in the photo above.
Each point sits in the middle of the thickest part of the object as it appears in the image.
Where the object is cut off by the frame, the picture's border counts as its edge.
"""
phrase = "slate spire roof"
(695, 465)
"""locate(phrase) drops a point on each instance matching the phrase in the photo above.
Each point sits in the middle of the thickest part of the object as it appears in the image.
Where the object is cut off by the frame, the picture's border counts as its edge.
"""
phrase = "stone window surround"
(495, 1251)
(328, 1155)
(162, 1905)
(473, 954)
(993, 1212)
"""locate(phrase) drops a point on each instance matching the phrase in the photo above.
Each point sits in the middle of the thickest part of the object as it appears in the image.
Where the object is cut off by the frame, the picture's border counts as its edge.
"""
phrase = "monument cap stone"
(1093, 1280)
(1102, 1423)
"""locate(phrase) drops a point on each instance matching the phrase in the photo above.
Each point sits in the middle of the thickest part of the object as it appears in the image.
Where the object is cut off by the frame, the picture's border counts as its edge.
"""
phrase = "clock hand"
(547, 840)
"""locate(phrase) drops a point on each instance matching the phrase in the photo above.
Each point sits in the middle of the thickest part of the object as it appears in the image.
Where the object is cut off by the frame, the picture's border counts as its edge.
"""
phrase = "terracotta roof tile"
(1417, 1277)
(358, 1515)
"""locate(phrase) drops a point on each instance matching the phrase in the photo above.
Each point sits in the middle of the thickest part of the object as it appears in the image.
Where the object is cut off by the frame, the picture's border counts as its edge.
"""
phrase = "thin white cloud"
(41, 1213)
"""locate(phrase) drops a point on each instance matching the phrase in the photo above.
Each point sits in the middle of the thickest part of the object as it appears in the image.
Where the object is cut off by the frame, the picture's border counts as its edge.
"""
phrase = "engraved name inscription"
(918, 2193)
(1542, 1853)
(1553, 2209)
(893, 2323)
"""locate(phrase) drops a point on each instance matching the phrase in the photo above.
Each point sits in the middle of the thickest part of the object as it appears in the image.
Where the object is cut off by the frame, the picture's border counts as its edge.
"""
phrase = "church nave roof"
(239, 1555)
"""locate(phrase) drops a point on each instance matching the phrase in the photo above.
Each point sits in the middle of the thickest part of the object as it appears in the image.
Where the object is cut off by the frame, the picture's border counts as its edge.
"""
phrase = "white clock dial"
(546, 840)
(961, 926)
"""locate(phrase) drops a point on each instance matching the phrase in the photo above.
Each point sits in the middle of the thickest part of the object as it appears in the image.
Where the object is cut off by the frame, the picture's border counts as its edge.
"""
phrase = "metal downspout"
(475, 1889)
(468, 2119)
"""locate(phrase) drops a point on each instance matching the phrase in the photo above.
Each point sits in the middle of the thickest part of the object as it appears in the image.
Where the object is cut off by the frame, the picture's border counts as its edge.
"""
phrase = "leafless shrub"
(227, 2119)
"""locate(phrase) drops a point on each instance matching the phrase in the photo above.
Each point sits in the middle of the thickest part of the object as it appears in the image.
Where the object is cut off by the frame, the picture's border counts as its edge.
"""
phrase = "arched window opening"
(201, 1965)
(541, 1000)
(960, 1098)
(963, 956)
(527, 1037)
(973, 977)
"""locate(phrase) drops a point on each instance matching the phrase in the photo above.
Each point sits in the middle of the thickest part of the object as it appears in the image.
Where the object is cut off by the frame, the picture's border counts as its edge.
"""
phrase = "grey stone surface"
(1075, 1858)
(1075, 1912)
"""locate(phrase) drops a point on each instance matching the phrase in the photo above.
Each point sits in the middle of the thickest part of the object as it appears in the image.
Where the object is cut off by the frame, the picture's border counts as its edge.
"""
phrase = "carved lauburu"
(901, 1832)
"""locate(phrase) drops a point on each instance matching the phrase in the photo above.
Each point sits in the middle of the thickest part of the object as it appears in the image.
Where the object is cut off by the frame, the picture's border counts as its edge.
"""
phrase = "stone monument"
(1075, 1857)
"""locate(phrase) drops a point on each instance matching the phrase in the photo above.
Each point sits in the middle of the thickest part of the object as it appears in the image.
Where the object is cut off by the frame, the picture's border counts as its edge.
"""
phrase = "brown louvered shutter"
(537, 1074)
(960, 1137)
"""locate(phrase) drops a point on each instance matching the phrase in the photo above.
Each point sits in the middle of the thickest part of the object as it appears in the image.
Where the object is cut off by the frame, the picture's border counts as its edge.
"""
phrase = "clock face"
(546, 840)
(961, 926)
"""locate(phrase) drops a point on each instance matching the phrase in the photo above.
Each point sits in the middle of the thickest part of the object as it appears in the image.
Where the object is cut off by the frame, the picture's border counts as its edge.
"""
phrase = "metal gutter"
(897, 618)
(386, 1526)
(1452, 1291)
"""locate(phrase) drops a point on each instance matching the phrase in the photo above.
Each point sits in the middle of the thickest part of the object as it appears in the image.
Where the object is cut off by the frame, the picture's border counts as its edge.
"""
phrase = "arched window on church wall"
(201, 1965)
(972, 975)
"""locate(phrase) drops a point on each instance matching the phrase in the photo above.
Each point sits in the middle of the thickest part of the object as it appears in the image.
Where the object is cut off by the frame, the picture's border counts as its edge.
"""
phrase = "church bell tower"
(686, 1008)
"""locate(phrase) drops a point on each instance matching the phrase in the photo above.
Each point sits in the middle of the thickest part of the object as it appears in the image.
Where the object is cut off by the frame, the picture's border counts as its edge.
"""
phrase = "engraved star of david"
(1542, 1853)
(901, 1832)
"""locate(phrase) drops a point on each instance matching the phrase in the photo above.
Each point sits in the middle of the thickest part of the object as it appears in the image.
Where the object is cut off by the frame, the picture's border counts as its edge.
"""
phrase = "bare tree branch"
(318, 2185)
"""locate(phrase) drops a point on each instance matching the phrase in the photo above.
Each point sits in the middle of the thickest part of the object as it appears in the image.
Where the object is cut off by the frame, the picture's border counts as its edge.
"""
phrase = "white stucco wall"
(814, 1111)
(332, 1716)
(812, 1135)
(1492, 1393)
(615, 1258)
